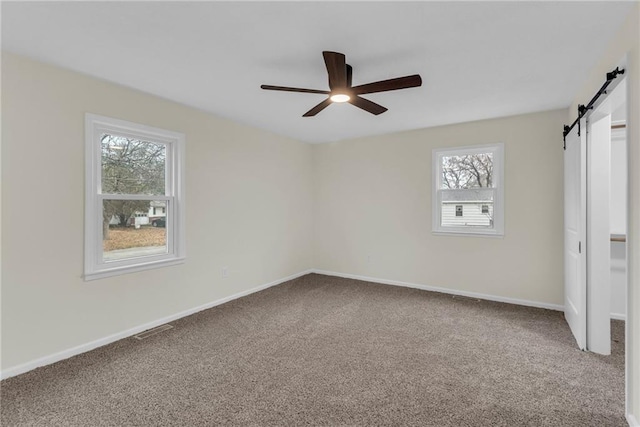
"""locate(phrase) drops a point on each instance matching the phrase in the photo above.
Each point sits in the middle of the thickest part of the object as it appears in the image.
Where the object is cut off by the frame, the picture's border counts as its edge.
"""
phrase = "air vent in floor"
(149, 332)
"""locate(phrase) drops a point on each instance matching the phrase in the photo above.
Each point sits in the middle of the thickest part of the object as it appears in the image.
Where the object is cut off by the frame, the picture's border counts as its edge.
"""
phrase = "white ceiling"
(477, 59)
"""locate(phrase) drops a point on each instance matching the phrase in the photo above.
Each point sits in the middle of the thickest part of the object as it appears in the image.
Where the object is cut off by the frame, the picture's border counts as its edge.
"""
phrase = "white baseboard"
(83, 348)
(515, 301)
(65, 354)
(633, 422)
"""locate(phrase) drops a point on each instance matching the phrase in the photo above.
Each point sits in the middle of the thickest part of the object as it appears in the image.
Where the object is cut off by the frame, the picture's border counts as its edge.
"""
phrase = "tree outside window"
(130, 166)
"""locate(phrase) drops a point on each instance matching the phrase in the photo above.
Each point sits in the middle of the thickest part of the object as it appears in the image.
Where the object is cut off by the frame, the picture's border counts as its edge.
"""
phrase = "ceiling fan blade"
(349, 75)
(391, 84)
(294, 89)
(336, 69)
(315, 110)
(367, 105)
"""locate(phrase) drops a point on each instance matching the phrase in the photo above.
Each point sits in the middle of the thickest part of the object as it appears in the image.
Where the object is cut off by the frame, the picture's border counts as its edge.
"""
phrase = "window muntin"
(132, 170)
(468, 190)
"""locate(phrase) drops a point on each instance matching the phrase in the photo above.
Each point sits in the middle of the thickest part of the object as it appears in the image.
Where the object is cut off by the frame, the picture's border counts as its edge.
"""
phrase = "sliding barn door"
(575, 209)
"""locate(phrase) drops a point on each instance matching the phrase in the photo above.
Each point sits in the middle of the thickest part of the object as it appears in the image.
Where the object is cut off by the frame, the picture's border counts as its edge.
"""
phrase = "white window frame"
(497, 230)
(94, 265)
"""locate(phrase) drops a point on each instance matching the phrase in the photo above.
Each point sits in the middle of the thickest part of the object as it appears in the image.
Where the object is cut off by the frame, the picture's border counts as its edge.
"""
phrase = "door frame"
(598, 228)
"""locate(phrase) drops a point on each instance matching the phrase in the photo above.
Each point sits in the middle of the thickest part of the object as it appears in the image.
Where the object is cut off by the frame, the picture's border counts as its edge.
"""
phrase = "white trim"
(94, 265)
(618, 316)
(83, 348)
(468, 234)
(633, 422)
(150, 265)
(498, 178)
(619, 264)
(515, 301)
(106, 196)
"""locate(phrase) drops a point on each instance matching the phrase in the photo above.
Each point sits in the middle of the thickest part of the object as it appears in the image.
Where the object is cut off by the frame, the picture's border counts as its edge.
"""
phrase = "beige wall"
(249, 208)
(626, 42)
(373, 199)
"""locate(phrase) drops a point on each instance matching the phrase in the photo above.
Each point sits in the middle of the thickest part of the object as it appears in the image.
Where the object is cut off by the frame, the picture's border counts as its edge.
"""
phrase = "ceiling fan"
(340, 89)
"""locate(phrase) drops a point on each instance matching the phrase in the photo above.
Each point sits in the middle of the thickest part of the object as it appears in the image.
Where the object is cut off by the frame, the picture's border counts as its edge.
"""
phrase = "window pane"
(467, 171)
(131, 230)
(132, 166)
(467, 208)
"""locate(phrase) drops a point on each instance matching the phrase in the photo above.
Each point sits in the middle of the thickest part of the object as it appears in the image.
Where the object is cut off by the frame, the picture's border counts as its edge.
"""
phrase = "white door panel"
(575, 295)
(599, 232)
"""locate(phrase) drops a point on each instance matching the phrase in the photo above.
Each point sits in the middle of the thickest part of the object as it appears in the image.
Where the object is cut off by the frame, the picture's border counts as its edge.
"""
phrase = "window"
(129, 169)
(468, 193)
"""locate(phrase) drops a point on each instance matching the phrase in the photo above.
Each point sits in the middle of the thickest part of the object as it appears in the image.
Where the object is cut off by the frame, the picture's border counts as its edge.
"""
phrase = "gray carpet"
(322, 350)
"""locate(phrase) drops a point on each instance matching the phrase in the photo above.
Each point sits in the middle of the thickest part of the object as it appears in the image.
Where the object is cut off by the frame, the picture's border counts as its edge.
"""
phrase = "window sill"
(117, 271)
(489, 234)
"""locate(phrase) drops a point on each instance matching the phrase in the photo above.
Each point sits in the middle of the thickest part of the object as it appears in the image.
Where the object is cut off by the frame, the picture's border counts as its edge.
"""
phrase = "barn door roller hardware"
(582, 109)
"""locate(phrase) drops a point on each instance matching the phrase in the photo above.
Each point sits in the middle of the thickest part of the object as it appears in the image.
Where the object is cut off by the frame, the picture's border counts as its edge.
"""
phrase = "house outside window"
(131, 170)
(468, 192)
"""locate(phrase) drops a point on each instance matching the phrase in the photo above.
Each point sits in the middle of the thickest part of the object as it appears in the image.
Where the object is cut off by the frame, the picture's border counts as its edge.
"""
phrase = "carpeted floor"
(323, 350)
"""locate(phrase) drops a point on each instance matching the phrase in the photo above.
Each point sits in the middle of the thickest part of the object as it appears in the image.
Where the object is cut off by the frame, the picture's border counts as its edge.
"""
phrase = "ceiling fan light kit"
(340, 97)
(341, 90)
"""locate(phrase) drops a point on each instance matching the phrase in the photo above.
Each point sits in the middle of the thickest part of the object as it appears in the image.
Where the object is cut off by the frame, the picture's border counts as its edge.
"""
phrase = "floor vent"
(149, 332)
